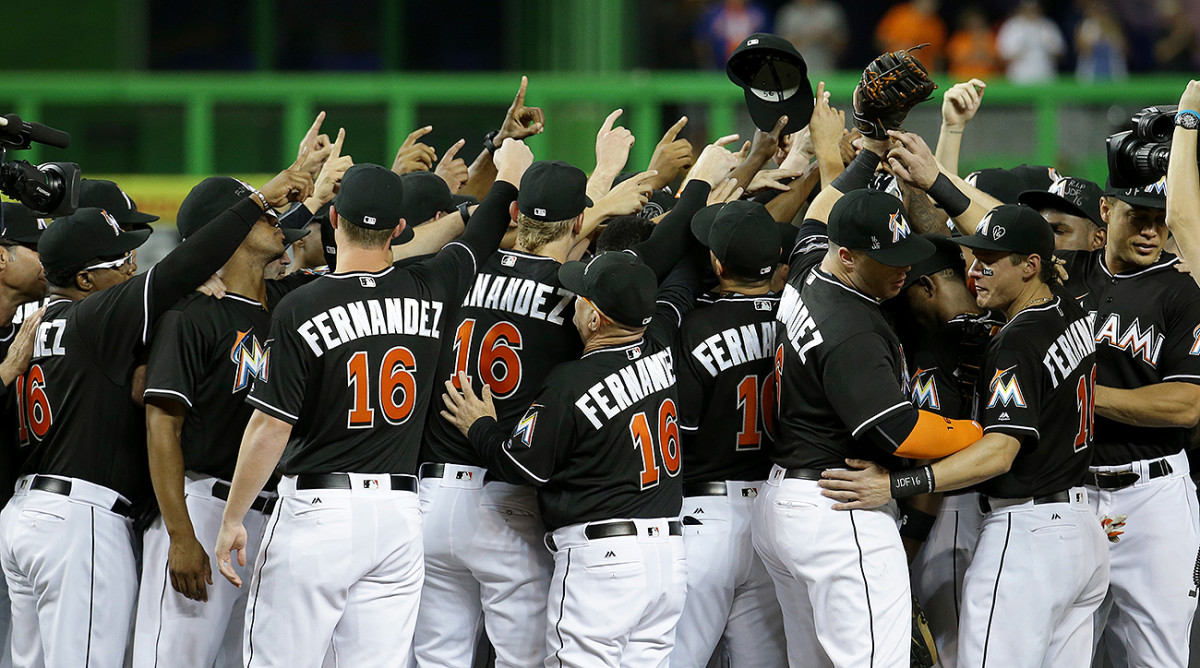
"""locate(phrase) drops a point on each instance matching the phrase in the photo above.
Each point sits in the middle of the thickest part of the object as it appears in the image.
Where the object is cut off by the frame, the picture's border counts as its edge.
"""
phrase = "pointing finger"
(453, 150)
(415, 135)
(336, 152)
(673, 131)
(606, 126)
(519, 100)
(727, 139)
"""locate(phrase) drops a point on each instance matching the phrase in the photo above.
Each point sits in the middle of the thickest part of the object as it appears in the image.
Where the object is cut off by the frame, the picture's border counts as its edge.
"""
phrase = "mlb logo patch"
(371, 484)
(538, 211)
(464, 475)
(749, 492)
(368, 220)
(366, 281)
(634, 353)
(762, 305)
(652, 531)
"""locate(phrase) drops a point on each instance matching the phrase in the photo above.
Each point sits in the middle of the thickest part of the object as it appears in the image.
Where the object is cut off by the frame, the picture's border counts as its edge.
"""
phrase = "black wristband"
(911, 482)
(916, 524)
(858, 173)
(489, 141)
(952, 200)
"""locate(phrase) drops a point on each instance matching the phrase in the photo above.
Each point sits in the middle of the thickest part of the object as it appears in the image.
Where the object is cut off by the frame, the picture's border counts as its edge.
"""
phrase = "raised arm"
(1183, 183)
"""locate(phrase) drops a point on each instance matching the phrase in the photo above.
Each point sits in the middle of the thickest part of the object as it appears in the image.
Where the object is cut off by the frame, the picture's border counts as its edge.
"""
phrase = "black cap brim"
(406, 235)
(977, 242)
(292, 235)
(570, 275)
(125, 242)
(904, 254)
(1041, 199)
(136, 218)
(1146, 201)
(798, 109)
(702, 223)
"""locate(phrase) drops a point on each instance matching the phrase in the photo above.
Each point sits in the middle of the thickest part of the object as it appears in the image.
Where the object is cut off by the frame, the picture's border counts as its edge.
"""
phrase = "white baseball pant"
(939, 567)
(173, 630)
(339, 572)
(729, 592)
(841, 576)
(5, 625)
(1039, 573)
(69, 563)
(484, 554)
(615, 602)
(1154, 565)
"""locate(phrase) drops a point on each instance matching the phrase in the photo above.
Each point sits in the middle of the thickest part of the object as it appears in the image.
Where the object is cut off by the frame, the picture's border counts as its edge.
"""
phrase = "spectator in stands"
(1030, 44)
(1178, 47)
(971, 51)
(724, 26)
(817, 28)
(1100, 44)
(914, 23)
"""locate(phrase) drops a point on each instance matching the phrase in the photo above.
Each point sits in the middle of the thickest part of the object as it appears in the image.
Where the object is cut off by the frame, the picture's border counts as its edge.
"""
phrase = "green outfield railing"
(573, 101)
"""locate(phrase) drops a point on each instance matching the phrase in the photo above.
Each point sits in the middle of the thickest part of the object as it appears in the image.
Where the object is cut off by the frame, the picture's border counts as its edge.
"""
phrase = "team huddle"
(817, 402)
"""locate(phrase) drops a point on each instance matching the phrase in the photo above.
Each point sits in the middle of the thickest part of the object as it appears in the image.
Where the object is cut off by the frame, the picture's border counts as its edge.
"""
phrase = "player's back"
(512, 328)
(619, 451)
(725, 360)
(354, 356)
(1055, 342)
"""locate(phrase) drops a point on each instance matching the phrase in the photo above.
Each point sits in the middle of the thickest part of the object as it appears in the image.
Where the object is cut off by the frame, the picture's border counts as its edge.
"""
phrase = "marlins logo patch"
(898, 226)
(924, 390)
(1005, 389)
(251, 359)
(523, 434)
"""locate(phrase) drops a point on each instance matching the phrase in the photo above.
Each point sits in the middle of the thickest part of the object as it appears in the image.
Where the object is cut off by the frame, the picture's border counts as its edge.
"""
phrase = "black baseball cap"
(1078, 197)
(552, 190)
(1013, 228)
(211, 197)
(775, 78)
(21, 224)
(109, 196)
(1153, 195)
(1036, 177)
(87, 234)
(618, 283)
(372, 196)
(947, 254)
(425, 194)
(999, 183)
(875, 223)
(741, 234)
(328, 242)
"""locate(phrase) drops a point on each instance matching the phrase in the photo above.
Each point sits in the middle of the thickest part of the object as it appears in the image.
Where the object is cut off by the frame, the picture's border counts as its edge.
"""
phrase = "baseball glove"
(890, 87)
(924, 652)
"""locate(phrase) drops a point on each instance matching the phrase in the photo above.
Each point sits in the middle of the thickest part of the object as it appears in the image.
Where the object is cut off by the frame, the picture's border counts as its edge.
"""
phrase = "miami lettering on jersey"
(519, 296)
(251, 360)
(1069, 349)
(802, 332)
(372, 317)
(924, 390)
(734, 346)
(627, 386)
(1145, 344)
(1006, 391)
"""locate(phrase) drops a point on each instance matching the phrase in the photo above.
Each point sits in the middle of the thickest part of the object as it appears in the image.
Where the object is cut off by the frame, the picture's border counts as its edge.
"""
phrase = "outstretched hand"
(671, 155)
(961, 101)
(413, 156)
(463, 408)
(864, 485)
(521, 121)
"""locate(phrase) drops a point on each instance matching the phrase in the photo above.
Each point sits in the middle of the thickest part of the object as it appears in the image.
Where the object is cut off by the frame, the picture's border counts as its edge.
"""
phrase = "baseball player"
(67, 550)
(205, 353)
(23, 283)
(1040, 568)
(601, 443)
(945, 333)
(724, 360)
(353, 356)
(1147, 328)
(843, 393)
(1072, 207)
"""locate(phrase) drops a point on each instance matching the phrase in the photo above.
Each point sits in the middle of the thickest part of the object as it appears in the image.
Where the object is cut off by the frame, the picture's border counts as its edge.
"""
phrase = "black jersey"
(725, 369)
(1038, 385)
(840, 367)
(512, 328)
(1147, 327)
(353, 356)
(9, 451)
(601, 438)
(934, 363)
(205, 354)
(77, 415)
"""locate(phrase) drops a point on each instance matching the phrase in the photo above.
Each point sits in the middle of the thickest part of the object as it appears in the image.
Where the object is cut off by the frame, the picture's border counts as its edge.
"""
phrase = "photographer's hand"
(1183, 183)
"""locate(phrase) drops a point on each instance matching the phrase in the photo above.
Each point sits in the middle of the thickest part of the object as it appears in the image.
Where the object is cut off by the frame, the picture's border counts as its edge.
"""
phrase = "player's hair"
(1049, 274)
(623, 233)
(749, 282)
(532, 234)
(365, 237)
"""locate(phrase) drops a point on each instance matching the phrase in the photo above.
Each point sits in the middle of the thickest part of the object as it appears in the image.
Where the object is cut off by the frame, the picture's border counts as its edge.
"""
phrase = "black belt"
(715, 488)
(617, 529)
(1057, 497)
(63, 487)
(402, 483)
(438, 470)
(263, 504)
(1110, 480)
(802, 474)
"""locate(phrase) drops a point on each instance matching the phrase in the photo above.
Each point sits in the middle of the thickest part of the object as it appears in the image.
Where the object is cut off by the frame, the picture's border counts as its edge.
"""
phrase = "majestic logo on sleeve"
(899, 227)
(924, 390)
(1005, 389)
(250, 358)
